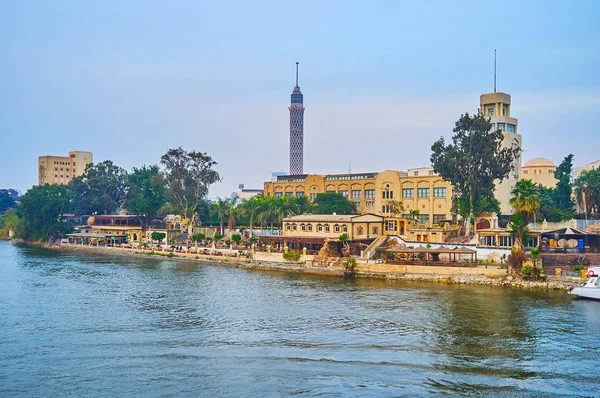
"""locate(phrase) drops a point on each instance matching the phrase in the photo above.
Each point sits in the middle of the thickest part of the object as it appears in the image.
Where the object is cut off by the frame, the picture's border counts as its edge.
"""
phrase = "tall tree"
(189, 176)
(587, 191)
(564, 188)
(332, 202)
(6, 201)
(250, 208)
(100, 189)
(221, 209)
(474, 160)
(41, 209)
(526, 204)
(146, 192)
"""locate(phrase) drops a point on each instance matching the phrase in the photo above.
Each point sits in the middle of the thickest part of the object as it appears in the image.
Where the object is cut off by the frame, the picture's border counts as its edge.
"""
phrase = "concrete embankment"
(491, 276)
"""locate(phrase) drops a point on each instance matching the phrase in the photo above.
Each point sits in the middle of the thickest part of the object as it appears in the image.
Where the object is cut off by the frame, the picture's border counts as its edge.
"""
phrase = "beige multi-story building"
(540, 171)
(62, 169)
(420, 192)
(496, 106)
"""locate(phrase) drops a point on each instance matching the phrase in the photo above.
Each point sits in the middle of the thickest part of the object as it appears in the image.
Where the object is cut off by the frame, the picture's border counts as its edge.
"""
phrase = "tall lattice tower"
(297, 130)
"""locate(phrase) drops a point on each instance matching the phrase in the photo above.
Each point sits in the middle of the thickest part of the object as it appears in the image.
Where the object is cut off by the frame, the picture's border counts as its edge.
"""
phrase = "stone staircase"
(372, 248)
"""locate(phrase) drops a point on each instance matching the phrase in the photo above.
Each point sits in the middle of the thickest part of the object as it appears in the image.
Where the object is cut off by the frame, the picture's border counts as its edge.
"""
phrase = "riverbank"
(456, 275)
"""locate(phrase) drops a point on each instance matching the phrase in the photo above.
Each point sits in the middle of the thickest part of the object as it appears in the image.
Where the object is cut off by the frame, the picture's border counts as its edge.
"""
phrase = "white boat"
(591, 289)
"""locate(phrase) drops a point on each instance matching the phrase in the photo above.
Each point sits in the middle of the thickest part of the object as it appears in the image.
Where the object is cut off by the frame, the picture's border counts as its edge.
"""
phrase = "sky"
(382, 80)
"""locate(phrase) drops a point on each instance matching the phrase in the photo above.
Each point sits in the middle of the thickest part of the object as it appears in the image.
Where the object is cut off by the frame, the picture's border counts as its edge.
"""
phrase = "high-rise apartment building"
(297, 130)
(496, 107)
(62, 169)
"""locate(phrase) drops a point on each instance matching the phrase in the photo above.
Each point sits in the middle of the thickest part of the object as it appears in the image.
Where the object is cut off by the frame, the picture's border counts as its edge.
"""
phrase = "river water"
(91, 325)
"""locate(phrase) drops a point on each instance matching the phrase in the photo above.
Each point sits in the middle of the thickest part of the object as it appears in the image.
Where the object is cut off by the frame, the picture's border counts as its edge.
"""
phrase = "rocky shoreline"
(236, 262)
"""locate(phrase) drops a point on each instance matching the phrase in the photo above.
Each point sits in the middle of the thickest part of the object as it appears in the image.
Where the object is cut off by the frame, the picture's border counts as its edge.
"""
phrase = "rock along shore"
(237, 262)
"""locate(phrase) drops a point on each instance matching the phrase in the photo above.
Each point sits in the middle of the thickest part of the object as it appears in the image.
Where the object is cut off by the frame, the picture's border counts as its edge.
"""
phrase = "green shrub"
(218, 236)
(292, 255)
(350, 263)
(236, 238)
(527, 271)
(170, 255)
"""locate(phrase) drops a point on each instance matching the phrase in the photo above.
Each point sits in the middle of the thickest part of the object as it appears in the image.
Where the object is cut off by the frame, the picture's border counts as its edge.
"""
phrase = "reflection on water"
(110, 326)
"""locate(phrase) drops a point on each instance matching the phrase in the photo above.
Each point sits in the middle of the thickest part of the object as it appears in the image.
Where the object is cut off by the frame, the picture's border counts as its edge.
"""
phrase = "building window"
(327, 229)
(359, 230)
(387, 194)
(375, 230)
(493, 127)
(503, 111)
(355, 194)
(289, 194)
(336, 228)
(313, 196)
(278, 194)
(369, 194)
(423, 192)
(302, 227)
(344, 193)
(501, 126)
(487, 240)
(390, 225)
(344, 228)
(423, 218)
(408, 193)
(299, 194)
(510, 128)
(439, 192)
(550, 172)
(287, 227)
(293, 227)
(490, 111)
(438, 218)
(525, 172)
(505, 241)
(370, 203)
(319, 228)
(309, 227)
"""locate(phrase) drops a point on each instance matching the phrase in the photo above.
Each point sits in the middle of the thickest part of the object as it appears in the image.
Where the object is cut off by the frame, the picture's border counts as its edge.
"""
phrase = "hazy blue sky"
(381, 80)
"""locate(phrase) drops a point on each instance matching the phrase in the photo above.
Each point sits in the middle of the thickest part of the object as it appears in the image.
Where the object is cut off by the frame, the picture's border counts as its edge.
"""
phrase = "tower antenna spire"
(297, 73)
(494, 70)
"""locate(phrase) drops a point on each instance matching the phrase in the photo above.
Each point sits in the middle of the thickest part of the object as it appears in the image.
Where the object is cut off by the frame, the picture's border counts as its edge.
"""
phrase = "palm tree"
(250, 208)
(221, 208)
(231, 211)
(526, 204)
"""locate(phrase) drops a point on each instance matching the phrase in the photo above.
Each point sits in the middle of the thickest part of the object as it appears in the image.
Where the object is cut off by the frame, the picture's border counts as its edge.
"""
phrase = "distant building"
(590, 166)
(297, 130)
(62, 169)
(247, 193)
(496, 107)
(418, 189)
(540, 171)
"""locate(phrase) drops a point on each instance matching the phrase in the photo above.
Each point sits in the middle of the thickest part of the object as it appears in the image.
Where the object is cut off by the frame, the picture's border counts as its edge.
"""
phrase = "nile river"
(89, 325)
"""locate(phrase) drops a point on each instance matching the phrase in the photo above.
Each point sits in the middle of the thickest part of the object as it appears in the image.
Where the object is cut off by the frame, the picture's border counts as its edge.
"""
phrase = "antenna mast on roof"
(297, 73)
(494, 71)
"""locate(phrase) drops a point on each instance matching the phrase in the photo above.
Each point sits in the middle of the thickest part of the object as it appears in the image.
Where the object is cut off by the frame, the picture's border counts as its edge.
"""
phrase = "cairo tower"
(297, 130)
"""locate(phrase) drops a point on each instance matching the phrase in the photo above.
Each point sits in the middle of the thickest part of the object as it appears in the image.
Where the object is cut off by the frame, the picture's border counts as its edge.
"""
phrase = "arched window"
(319, 228)
(359, 230)
(293, 227)
(309, 227)
(302, 227)
(327, 229)
(375, 230)
(344, 228)
(336, 228)
(287, 227)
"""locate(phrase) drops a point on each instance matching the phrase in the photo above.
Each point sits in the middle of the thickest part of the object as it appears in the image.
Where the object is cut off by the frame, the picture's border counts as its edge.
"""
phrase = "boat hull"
(586, 292)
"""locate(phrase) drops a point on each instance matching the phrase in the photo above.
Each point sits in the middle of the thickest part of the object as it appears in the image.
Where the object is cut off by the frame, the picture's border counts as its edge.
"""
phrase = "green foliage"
(218, 236)
(556, 203)
(343, 237)
(587, 191)
(146, 192)
(292, 255)
(158, 236)
(171, 254)
(198, 237)
(6, 201)
(332, 202)
(535, 253)
(525, 200)
(188, 176)
(101, 188)
(527, 272)
(40, 210)
(474, 160)
(350, 263)
(9, 220)
(480, 205)
(236, 238)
